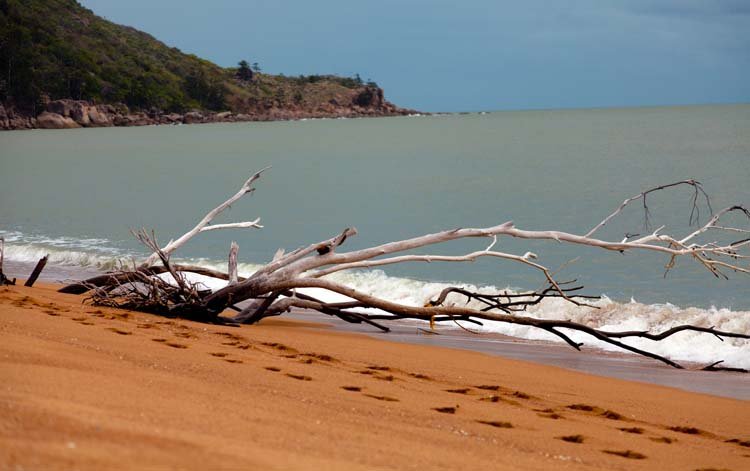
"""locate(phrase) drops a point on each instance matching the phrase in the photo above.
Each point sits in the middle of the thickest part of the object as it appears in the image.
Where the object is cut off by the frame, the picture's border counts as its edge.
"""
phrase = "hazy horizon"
(481, 56)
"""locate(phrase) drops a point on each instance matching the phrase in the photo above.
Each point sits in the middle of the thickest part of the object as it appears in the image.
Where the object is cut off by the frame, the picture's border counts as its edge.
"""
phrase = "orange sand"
(90, 388)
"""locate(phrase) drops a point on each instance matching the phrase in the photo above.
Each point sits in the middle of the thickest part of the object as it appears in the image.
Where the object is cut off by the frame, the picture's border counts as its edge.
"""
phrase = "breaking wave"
(609, 314)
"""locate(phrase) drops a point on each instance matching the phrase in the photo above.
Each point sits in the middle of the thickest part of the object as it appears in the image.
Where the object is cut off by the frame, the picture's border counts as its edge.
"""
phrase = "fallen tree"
(159, 286)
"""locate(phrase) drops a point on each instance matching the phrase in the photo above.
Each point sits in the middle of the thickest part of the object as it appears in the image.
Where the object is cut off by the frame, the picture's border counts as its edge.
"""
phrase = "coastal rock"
(193, 117)
(172, 118)
(98, 118)
(4, 122)
(48, 120)
(69, 108)
(369, 97)
(366, 101)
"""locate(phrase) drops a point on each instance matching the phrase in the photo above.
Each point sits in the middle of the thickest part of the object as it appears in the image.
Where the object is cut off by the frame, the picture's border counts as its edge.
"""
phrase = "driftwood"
(4, 280)
(36, 272)
(161, 287)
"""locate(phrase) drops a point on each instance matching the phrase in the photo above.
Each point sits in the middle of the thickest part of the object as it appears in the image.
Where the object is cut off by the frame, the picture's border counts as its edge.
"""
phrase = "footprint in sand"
(279, 346)
(636, 430)
(445, 410)
(688, 430)
(745, 443)
(612, 415)
(230, 335)
(299, 377)
(496, 398)
(385, 377)
(572, 438)
(119, 331)
(666, 440)
(83, 320)
(630, 454)
(175, 345)
(420, 376)
(548, 414)
(584, 407)
(319, 356)
(607, 414)
(185, 335)
(496, 423)
(382, 398)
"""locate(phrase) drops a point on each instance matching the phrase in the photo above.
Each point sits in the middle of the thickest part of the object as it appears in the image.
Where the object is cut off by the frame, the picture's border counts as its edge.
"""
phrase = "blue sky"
(471, 55)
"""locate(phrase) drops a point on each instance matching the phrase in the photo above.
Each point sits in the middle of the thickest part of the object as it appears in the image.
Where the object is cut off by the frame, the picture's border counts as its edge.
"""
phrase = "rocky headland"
(69, 114)
(62, 66)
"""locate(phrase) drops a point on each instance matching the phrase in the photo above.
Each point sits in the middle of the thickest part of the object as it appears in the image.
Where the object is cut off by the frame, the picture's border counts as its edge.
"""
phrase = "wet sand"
(588, 360)
(95, 388)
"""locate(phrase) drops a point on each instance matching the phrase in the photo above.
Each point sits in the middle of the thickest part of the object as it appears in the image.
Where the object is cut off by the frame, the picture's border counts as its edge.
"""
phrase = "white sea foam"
(32, 253)
(610, 315)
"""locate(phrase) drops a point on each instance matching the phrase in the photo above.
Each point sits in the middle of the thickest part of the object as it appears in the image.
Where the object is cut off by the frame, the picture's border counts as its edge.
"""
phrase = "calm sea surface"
(80, 191)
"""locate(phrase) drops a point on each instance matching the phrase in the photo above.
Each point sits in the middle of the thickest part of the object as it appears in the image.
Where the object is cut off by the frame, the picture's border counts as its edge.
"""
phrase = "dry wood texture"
(273, 289)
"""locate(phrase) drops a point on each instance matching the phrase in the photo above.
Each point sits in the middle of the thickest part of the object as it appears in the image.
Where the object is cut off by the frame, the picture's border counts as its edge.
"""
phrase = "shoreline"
(95, 388)
(75, 114)
(590, 360)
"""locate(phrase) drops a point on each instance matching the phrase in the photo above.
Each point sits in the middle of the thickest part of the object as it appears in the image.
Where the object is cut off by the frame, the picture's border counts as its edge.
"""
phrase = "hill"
(53, 50)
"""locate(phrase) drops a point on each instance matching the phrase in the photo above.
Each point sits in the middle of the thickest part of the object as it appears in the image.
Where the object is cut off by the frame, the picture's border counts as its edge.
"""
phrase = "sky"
(475, 55)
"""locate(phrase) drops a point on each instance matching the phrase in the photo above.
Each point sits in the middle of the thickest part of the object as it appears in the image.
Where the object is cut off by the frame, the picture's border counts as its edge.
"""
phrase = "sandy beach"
(94, 388)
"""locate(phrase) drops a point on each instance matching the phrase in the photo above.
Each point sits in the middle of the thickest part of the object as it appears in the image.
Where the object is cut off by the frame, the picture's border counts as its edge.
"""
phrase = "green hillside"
(54, 49)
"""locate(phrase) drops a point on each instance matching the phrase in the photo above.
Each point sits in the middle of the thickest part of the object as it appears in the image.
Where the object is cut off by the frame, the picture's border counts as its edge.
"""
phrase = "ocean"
(75, 194)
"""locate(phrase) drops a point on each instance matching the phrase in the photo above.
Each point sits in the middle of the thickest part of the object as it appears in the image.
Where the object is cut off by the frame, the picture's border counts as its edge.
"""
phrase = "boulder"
(4, 121)
(48, 120)
(172, 118)
(98, 118)
(223, 116)
(78, 110)
(193, 117)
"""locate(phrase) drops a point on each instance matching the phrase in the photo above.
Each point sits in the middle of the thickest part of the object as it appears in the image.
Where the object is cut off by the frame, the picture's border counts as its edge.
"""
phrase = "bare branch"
(275, 287)
(642, 196)
(203, 223)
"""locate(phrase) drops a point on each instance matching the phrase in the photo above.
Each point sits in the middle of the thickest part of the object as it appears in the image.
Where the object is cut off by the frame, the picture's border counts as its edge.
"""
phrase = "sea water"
(75, 194)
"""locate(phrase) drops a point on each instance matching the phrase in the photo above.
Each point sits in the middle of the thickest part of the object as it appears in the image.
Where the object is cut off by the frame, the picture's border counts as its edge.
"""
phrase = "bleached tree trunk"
(273, 289)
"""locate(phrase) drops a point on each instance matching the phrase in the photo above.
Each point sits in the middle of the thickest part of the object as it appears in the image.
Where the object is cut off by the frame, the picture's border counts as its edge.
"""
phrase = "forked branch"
(281, 285)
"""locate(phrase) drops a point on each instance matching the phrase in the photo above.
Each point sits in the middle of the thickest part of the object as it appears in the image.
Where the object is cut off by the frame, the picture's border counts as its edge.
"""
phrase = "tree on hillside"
(244, 72)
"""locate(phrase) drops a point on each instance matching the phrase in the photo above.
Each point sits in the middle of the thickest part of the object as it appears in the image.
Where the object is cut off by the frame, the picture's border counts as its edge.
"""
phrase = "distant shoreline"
(73, 114)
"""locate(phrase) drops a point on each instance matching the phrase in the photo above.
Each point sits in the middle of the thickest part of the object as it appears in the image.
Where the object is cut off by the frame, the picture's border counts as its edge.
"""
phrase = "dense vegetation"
(52, 49)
